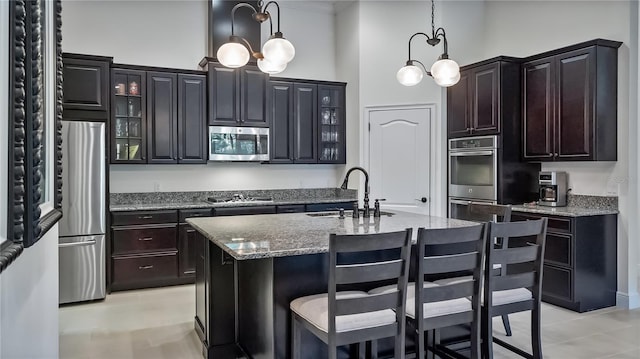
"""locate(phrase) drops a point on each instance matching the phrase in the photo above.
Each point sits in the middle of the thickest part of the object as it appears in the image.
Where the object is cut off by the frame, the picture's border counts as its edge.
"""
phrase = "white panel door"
(399, 158)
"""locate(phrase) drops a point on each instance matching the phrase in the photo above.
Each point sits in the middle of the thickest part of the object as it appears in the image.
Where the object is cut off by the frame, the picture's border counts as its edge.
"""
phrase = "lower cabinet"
(153, 248)
(580, 260)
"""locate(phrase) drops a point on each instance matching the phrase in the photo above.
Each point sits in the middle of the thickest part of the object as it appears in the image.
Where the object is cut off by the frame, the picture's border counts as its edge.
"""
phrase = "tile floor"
(158, 323)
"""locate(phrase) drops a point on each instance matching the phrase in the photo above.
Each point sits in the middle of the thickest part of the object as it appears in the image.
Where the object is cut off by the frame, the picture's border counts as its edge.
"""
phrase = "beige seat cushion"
(500, 297)
(315, 310)
(430, 310)
(509, 296)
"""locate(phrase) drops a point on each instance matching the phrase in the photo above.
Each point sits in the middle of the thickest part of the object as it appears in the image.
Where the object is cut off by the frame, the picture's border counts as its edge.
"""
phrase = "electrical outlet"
(156, 187)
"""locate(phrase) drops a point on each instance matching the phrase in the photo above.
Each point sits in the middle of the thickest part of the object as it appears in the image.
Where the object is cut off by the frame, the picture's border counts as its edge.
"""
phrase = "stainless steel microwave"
(238, 143)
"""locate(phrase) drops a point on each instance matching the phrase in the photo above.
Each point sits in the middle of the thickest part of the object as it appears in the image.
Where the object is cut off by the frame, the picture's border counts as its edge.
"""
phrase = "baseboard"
(628, 300)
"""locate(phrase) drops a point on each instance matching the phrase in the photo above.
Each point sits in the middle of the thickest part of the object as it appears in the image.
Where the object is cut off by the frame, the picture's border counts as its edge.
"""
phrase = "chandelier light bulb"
(270, 67)
(409, 75)
(445, 72)
(233, 54)
(279, 50)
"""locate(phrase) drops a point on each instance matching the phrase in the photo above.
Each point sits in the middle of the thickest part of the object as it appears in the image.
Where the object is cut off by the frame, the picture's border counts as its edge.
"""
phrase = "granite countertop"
(577, 206)
(121, 202)
(280, 235)
(569, 211)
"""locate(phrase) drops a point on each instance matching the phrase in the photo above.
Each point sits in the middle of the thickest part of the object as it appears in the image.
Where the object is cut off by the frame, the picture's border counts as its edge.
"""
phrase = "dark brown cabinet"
(331, 124)
(153, 248)
(129, 118)
(192, 114)
(86, 83)
(307, 121)
(473, 104)
(237, 97)
(280, 97)
(579, 260)
(162, 128)
(144, 251)
(570, 103)
(159, 117)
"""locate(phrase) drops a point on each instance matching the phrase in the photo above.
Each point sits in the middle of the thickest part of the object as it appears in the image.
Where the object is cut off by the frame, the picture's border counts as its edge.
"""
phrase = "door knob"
(423, 199)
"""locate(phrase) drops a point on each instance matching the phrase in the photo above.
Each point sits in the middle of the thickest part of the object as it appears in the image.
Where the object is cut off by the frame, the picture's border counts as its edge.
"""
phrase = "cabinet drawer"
(557, 282)
(141, 240)
(554, 224)
(143, 217)
(558, 249)
(144, 268)
(192, 213)
(293, 208)
(238, 211)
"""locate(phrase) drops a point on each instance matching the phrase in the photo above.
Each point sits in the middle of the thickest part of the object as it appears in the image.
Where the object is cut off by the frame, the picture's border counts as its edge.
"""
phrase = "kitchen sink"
(347, 214)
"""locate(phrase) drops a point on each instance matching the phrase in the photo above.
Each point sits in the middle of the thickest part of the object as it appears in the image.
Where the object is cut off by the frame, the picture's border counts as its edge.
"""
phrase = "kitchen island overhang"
(252, 267)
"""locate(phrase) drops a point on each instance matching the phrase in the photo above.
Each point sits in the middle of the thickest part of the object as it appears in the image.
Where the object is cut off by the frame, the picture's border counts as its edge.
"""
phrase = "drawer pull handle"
(145, 217)
(145, 267)
(146, 239)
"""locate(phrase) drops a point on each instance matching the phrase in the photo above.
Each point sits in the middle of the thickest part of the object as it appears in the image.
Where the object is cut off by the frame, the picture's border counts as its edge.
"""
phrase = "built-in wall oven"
(473, 173)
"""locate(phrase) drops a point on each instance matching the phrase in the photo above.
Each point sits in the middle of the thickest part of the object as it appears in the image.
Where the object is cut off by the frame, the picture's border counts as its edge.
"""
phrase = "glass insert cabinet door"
(128, 121)
(331, 139)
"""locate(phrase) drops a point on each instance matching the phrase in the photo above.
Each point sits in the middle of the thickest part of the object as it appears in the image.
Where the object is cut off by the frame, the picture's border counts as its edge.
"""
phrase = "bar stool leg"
(295, 338)
(507, 325)
(536, 342)
(373, 349)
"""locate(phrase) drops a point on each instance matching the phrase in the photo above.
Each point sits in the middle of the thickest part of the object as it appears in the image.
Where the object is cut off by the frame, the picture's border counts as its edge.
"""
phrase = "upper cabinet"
(570, 103)
(331, 133)
(158, 117)
(129, 120)
(86, 84)
(484, 98)
(307, 121)
(237, 97)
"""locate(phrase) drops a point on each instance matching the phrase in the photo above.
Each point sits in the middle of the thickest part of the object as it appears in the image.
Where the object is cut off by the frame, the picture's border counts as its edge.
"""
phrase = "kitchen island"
(252, 267)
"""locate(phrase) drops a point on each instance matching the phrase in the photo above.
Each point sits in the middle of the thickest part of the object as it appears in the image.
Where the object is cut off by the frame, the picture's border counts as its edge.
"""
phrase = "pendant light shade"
(269, 67)
(278, 50)
(409, 75)
(233, 54)
(445, 72)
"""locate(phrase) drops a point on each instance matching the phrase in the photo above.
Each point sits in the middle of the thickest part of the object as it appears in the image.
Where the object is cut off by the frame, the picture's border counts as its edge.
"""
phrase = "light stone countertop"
(279, 235)
(568, 211)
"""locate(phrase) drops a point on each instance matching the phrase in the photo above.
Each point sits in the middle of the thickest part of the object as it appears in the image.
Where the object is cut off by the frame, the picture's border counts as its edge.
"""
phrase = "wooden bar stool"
(351, 316)
(518, 291)
(438, 306)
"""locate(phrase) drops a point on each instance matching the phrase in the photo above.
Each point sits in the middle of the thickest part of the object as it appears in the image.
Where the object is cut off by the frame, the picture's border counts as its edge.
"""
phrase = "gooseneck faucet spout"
(366, 186)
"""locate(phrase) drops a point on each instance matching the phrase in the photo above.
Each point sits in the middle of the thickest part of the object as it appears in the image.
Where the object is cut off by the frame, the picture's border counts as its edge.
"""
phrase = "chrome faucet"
(366, 187)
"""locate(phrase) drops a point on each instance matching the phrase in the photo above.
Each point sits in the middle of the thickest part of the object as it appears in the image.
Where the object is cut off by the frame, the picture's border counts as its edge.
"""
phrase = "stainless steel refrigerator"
(83, 225)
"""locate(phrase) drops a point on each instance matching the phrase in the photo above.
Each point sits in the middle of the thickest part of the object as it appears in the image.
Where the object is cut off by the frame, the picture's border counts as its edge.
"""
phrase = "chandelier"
(445, 72)
(276, 53)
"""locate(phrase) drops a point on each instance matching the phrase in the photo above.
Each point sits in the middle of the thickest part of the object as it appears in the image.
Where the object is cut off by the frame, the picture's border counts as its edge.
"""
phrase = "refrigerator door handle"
(78, 244)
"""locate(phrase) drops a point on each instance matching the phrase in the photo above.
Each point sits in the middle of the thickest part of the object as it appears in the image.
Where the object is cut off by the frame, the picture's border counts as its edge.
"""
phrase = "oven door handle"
(471, 153)
(458, 201)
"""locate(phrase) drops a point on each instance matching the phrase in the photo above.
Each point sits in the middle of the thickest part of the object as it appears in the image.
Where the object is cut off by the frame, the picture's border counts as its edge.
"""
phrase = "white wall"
(173, 34)
(29, 302)
(522, 28)
(310, 27)
(140, 32)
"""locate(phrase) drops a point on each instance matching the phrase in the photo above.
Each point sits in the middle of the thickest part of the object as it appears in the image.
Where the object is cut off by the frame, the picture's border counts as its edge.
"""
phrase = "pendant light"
(276, 53)
(445, 72)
